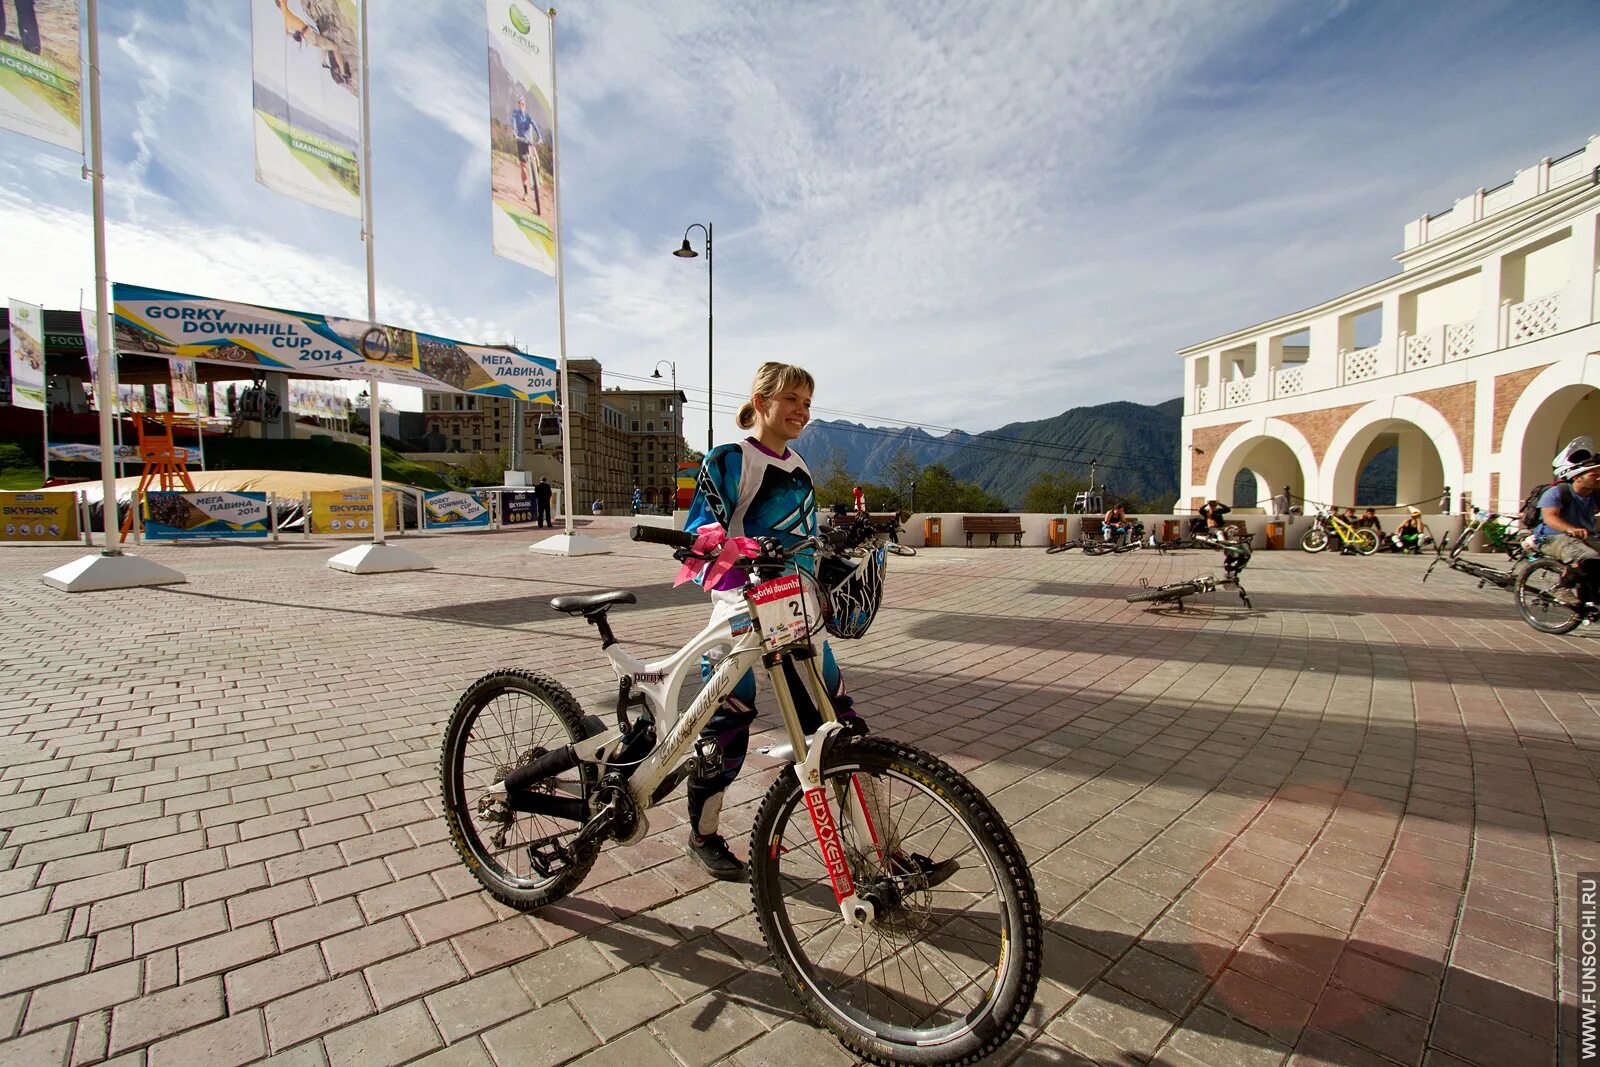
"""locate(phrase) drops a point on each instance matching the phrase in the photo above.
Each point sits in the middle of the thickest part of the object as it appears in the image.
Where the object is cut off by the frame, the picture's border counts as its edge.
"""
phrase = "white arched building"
(1476, 362)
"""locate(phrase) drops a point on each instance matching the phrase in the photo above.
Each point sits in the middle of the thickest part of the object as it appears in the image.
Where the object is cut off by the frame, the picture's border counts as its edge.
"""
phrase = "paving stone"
(272, 978)
(706, 1029)
(540, 1038)
(315, 1011)
(621, 1003)
(555, 972)
(171, 1011)
(390, 1037)
(473, 1006)
(78, 996)
(413, 974)
(238, 1039)
(225, 952)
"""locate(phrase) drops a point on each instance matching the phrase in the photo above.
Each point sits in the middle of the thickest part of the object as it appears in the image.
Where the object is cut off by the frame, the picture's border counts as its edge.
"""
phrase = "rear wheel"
(1365, 542)
(1315, 539)
(502, 721)
(1536, 598)
(900, 550)
(1098, 548)
(946, 969)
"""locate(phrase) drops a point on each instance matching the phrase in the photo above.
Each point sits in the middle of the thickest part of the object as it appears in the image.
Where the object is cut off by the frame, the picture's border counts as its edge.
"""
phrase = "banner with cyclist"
(306, 96)
(27, 355)
(182, 326)
(521, 148)
(78, 453)
(346, 511)
(194, 516)
(38, 516)
(40, 83)
(453, 511)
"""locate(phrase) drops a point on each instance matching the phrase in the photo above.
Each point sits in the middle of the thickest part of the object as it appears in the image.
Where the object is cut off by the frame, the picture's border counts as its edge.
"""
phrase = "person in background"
(638, 498)
(1369, 521)
(541, 503)
(1212, 511)
(860, 500)
(1280, 503)
(597, 507)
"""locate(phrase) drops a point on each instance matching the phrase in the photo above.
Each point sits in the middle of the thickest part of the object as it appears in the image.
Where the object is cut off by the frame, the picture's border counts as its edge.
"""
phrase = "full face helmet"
(1575, 459)
(852, 590)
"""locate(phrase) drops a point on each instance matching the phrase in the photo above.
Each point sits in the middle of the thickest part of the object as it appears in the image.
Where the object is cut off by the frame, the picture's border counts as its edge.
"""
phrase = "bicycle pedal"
(548, 856)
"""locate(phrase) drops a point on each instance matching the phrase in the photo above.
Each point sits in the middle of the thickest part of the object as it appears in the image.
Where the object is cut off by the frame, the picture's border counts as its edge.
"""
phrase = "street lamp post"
(687, 252)
(677, 418)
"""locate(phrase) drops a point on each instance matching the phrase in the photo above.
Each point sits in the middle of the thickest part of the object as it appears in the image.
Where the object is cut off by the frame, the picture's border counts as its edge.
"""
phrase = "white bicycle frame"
(662, 681)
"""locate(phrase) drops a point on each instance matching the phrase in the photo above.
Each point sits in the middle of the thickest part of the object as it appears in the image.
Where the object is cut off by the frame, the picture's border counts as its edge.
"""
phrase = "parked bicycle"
(1329, 527)
(1073, 542)
(858, 530)
(1127, 538)
(896, 902)
(1236, 556)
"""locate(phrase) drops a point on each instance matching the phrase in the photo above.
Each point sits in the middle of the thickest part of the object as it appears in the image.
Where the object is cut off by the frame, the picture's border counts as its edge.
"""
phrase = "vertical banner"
(39, 79)
(27, 355)
(305, 59)
(185, 387)
(92, 352)
(521, 151)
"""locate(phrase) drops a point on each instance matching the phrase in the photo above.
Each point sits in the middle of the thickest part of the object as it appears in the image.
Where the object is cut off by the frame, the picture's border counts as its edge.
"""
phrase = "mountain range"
(1136, 446)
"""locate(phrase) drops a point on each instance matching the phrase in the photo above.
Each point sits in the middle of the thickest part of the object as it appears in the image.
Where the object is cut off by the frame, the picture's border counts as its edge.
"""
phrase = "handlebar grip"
(661, 535)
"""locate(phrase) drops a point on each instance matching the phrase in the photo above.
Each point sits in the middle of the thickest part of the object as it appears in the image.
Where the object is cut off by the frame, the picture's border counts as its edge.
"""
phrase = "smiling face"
(781, 417)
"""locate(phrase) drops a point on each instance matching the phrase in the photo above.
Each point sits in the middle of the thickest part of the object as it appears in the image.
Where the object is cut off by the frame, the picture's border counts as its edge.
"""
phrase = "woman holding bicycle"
(757, 487)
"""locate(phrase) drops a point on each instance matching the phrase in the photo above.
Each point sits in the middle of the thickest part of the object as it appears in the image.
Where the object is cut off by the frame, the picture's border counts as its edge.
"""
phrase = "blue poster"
(517, 507)
(199, 516)
(452, 511)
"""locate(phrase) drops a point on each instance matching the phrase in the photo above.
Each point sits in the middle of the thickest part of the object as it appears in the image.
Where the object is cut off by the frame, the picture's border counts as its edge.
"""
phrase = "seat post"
(601, 621)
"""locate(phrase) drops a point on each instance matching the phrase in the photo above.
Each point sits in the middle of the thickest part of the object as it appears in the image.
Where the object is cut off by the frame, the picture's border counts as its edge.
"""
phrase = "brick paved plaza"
(1343, 828)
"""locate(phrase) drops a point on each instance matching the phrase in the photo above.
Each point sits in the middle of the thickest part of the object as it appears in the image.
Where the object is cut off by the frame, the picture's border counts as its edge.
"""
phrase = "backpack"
(1532, 513)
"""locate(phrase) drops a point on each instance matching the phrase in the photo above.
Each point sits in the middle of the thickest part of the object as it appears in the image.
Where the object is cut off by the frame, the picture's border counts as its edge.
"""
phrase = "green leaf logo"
(519, 20)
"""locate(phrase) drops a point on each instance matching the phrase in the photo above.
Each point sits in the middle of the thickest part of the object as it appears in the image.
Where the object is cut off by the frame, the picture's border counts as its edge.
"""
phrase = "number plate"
(780, 611)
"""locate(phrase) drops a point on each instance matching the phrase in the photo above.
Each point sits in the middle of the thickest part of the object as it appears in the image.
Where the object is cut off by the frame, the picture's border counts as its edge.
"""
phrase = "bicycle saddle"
(588, 602)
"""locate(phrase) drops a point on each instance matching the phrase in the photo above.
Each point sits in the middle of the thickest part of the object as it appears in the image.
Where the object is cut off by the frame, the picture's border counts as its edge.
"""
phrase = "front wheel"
(1315, 539)
(1098, 548)
(1166, 592)
(502, 721)
(947, 968)
(1536, 598)
(1365, 542)
(898, 549)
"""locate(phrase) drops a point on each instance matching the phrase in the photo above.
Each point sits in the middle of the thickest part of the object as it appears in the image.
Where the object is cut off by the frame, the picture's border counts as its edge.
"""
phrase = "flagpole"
(44, 366)
(102, 297)
(374, 413)
(561, 288)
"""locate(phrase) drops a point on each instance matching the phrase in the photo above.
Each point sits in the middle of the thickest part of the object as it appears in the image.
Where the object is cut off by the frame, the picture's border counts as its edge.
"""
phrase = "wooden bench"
(994, 526)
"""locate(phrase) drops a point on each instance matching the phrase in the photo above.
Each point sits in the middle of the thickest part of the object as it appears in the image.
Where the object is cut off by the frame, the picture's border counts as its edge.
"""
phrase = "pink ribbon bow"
(713, 538)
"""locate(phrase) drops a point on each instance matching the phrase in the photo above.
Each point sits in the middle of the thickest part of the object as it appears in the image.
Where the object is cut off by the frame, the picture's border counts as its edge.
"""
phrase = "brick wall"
(1206, 441)
(1320, 426)
(1508, 389)
(1457, 404)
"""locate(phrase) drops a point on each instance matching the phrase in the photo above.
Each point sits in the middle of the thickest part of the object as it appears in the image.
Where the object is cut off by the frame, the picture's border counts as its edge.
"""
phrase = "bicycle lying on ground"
(1075, 542)
(1236, 556)
(1129, 538)
(1456, 558)
(896, 902)
(1330, 527)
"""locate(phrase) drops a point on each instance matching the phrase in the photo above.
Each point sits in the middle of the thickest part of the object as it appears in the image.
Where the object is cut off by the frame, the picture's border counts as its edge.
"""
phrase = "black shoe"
(915, 865)
(712, 852)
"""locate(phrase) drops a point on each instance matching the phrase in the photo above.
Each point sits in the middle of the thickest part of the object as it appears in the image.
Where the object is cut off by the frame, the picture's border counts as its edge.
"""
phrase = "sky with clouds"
(953, 215)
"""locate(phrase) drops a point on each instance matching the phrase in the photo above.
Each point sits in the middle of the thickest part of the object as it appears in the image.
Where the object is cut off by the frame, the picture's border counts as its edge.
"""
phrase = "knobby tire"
(987, 909)
(1538, 607)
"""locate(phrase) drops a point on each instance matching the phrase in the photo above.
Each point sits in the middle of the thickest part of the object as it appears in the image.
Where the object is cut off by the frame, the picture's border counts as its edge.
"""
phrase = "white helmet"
(1577, 458)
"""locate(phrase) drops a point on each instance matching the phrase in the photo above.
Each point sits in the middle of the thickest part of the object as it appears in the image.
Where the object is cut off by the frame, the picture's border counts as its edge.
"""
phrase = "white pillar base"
(564, 544)
(372, 558)
(91, 574)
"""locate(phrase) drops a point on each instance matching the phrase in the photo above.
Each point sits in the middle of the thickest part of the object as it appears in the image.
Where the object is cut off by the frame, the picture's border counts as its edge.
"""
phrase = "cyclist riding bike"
(1566, 530)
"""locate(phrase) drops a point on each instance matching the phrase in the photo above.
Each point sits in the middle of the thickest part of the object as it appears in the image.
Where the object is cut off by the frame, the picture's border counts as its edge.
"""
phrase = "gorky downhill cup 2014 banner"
(306, 60)
(27, 354)
(180, 326)
(448, 511)
(39, 79)
(521, 150)
(184, 516)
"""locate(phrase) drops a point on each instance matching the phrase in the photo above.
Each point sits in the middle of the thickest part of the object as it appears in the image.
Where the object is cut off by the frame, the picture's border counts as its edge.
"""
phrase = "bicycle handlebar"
(661, 535)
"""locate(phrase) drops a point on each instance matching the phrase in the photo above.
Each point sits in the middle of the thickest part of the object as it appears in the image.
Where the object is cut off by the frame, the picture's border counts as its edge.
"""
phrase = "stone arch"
(1430, 455)
(1558, 405)
(1274, 450)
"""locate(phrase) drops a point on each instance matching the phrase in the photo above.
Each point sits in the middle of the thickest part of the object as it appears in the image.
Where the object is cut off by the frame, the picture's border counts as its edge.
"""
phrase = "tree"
(899, 474)
(1052, 493)
(832, 480)
(939, 490)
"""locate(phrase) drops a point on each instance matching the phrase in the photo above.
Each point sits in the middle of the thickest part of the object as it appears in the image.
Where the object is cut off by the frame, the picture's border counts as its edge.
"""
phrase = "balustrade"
(1361, 364)
(1535, 318)
(1291, 381)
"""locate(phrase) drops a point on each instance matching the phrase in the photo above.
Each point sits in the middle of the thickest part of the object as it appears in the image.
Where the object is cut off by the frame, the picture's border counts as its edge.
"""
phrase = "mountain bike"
(895, 901)
(1128, 538)
(1330, 527)
(1456, 558)
(859, 529)
(1236, 556)
(1074, 542)
(1549, 607)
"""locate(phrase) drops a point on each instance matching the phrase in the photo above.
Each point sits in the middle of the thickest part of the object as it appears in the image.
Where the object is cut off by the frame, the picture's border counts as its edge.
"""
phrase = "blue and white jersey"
(751, 492)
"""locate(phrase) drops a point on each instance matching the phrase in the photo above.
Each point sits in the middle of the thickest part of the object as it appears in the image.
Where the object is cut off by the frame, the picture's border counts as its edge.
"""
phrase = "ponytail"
(747, 415)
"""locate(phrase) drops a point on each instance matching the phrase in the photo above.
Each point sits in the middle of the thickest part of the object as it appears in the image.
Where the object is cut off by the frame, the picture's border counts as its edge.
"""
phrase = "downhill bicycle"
(1516, 553)
(1330, 527)
(1236, 553)
(895, 901)
(1549, 606)
(859, 529)
(1071, 542)
(1127, 538)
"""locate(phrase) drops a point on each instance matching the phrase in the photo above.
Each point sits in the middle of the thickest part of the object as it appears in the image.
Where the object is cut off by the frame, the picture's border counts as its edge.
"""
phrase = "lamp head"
(686, 252)
(656, 373)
